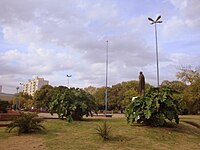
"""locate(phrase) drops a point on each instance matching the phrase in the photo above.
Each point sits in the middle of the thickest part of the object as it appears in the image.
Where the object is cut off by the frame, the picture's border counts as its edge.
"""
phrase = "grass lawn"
(81, 135)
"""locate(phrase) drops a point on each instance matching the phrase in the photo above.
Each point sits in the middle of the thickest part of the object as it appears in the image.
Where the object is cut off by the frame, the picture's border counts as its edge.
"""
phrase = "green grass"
(80, 135)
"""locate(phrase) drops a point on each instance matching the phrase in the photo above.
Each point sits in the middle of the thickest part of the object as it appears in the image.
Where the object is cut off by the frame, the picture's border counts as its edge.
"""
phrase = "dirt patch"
(23, 142)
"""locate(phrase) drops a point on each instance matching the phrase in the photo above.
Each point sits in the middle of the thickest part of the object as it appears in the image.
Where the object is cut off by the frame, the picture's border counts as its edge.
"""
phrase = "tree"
(128, 95)
(43, 96)
(188, 74)
(119, 95)
(192, 97)
(115, 97)
(22, 99)
(92, 90)
(154, 108)
(166, 83)
(177, 86)
(100, 98)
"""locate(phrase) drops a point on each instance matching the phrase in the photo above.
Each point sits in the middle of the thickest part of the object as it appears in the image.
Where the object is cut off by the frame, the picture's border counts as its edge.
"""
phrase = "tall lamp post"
(17, 88)
(155, 22)
(21, 84)
(68, 76)
(17, 100)
(106, 93)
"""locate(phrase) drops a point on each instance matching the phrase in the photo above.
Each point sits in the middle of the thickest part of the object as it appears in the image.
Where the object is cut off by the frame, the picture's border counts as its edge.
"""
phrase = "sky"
(55, 38)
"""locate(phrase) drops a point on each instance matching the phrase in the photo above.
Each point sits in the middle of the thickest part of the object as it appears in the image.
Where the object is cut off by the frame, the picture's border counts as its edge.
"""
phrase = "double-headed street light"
(68, 76)
(21, 84)
(17, 88)
(155, 22)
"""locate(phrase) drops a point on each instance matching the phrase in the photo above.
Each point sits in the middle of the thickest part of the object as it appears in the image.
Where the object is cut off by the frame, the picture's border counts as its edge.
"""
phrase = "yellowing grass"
(80, 135)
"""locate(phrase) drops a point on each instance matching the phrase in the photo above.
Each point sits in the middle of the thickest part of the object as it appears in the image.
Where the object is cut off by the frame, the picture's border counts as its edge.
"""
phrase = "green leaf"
(147, 113)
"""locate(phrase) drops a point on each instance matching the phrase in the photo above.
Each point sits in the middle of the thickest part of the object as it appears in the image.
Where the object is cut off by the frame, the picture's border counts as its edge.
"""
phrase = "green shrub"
(104, 131)
(26, 123)
(154, 108)
(72, 103)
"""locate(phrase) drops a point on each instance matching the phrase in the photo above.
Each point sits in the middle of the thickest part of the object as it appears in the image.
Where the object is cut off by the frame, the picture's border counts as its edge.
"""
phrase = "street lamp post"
(155, 22)
(106, 93)
(21, 84)
(17, 88)
(68, 76)
(17, 100)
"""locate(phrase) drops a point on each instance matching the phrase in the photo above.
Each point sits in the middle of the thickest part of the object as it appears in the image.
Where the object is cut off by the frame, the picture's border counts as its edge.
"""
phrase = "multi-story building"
(33, 85)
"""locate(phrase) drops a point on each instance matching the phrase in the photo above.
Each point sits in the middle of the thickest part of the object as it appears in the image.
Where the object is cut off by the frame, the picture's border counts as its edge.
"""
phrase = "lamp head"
(158, 18)
(150, 19)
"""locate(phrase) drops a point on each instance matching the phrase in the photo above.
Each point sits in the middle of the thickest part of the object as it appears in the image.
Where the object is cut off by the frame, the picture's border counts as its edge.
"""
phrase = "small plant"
(26, 123)
(104, 131)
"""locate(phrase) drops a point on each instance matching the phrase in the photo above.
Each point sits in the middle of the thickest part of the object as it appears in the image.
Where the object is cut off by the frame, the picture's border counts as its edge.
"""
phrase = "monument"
(141, 88)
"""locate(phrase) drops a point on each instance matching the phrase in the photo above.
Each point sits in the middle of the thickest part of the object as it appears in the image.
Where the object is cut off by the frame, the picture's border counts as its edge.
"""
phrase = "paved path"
(48, 115)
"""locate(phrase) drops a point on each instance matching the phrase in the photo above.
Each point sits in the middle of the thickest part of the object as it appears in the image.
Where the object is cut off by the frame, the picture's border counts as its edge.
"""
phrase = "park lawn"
(80, 135)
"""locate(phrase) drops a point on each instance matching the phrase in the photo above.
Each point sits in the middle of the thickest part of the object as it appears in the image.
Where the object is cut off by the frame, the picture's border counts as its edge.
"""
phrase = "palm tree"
(26, 123)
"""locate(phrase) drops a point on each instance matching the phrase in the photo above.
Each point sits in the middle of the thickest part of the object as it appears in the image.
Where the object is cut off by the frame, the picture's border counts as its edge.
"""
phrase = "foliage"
(23, 99)
(104, 131)
(28, 104)
(128, 95)
(192, 97)
(154, 108)
(3, 106)
(25, 95)
(92, 90)
(26, 123)
(191, 76)
(100, 97)
(177, 86)
(42, 97)
(188, 74)
(119, 95)
(72, 103)
(115, 97)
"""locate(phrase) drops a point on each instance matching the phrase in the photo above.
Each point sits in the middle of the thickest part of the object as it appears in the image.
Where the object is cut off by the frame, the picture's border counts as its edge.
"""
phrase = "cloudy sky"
(53, 38)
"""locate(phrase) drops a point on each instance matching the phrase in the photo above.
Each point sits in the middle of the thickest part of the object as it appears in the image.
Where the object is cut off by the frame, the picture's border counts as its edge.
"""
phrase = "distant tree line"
(188, 89)
(119, 95)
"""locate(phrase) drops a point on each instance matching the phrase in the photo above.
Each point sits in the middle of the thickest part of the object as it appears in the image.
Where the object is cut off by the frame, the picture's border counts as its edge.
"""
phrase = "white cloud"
(189, 11)
(55, 38)
(174, 27)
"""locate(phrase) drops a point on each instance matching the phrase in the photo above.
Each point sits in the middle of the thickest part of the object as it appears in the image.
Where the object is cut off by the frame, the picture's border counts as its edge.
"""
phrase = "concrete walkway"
(54, 116)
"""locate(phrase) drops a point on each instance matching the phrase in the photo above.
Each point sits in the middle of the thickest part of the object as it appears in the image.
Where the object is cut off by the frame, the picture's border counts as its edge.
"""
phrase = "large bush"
(72, 103)
(154, 108)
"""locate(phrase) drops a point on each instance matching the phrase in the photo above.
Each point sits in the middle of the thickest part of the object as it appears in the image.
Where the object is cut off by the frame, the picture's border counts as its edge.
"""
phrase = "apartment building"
(33, 85)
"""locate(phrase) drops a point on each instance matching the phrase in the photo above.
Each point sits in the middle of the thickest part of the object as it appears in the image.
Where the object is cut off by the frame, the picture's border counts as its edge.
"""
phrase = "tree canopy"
(42, 97)
(188, 74)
